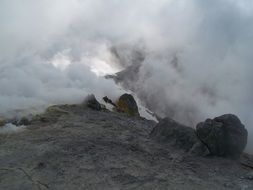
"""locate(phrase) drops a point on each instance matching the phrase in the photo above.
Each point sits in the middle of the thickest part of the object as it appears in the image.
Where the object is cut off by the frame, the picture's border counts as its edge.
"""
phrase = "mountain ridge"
(81, 148)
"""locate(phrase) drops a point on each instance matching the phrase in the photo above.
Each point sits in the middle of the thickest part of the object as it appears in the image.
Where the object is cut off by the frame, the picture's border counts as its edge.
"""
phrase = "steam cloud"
(193, 57)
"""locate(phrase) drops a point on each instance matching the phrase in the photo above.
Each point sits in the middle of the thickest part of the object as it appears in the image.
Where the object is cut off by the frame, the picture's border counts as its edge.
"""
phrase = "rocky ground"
(71, 147)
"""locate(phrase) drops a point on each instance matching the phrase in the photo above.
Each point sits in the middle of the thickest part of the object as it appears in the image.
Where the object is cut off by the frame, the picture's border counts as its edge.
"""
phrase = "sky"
(58, 52)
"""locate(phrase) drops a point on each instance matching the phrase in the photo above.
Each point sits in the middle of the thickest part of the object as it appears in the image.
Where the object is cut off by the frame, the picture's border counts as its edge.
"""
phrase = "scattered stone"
(224, 136)
(109, 101)
(92, 103)
(128, 105)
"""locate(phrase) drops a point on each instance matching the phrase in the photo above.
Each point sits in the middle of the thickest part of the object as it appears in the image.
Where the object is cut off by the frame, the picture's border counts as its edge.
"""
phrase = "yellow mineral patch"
(2, 122)
(51, 114)
(127, 104)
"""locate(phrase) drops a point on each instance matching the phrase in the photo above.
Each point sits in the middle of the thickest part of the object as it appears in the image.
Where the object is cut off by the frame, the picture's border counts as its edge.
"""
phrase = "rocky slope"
(73, 147)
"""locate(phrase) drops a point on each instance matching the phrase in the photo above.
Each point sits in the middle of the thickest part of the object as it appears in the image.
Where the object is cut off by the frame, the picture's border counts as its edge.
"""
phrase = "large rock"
(21, 121)
(168, 130)
(128, 105)
(92, 103)
(224, 136)
(2, 122)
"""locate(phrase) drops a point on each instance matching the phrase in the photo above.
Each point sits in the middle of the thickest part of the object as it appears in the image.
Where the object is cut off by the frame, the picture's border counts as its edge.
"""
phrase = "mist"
(197, 59)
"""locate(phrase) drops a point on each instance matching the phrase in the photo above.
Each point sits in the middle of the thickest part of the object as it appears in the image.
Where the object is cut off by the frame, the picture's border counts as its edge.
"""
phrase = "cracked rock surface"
(79, 148)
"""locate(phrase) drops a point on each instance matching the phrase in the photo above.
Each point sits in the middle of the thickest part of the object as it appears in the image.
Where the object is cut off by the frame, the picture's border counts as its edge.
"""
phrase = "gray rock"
(168, 130)
(92, 103)
(199, 149)
(224, 136)
(22, 121)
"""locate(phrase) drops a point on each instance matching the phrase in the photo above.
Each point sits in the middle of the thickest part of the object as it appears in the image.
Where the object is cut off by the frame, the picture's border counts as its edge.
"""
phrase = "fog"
(197, 59)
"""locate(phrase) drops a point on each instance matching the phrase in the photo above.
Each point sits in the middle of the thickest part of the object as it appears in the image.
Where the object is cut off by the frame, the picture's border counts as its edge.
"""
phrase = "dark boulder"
(224, 136)
(109, 101)
(128, 105)
(92, 103)
(24, 121)
(21, 121)
(168, 130)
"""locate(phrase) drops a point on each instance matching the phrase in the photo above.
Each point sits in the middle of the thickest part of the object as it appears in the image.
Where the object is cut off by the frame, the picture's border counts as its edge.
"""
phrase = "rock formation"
(92, 103)
(128, 105)
(168, 130)
(180, 136)
(224, 136)
(75, 147)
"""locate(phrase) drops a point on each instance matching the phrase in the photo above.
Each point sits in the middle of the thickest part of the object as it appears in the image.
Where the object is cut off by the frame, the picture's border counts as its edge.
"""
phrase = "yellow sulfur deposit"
(2, 122)
(127, 104)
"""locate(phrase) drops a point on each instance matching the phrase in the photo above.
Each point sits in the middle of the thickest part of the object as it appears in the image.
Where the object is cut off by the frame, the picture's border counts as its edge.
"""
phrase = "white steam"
(10, 129)
(197, 54)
